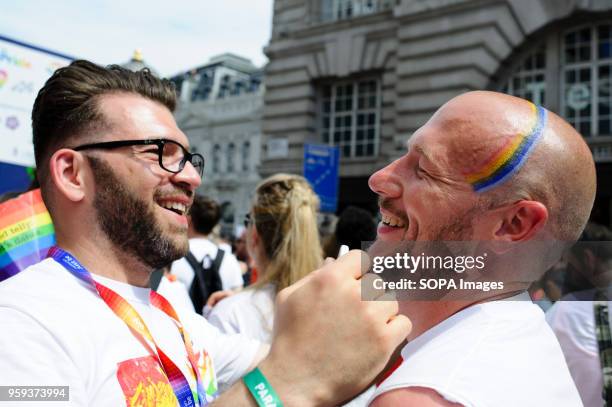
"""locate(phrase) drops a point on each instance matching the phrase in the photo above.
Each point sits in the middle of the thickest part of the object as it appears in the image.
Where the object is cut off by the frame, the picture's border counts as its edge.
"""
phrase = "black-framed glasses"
(247, 220)
(172, 156)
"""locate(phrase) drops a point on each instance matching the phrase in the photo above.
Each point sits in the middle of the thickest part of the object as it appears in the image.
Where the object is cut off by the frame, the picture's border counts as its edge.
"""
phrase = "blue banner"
(15, 178)
(321, 170)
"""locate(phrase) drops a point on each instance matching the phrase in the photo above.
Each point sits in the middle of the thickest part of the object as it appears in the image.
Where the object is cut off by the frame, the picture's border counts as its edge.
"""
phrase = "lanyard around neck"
(134, 321)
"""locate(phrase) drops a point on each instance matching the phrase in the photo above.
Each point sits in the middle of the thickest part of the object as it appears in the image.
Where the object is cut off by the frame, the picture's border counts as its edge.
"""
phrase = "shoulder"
(229, 260)
(46, 283)
(245, 311)
(412, 396)
(234, 303)
(460, 358)
(200, 247)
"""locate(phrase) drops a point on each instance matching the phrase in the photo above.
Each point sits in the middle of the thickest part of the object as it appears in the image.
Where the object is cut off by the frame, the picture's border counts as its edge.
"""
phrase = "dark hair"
(205, 214)
(66, 106)
(354, 226)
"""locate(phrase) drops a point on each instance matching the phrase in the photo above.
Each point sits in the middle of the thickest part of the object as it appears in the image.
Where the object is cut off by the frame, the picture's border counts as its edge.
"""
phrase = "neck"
(101, 258)
(424, 315)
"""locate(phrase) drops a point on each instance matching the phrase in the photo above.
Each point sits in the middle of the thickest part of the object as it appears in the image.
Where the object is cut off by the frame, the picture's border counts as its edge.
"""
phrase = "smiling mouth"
(393, 221)
(176, 207)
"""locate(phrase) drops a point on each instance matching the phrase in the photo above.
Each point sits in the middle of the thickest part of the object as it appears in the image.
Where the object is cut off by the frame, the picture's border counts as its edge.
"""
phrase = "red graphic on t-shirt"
(144, 383)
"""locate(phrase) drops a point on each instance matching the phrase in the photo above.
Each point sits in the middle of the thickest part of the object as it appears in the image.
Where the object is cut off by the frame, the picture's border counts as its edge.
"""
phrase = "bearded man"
(493, 168)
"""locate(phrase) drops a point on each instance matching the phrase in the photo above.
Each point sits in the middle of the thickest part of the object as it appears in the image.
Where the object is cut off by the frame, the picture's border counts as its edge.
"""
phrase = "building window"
(333, 10)
(231, 151)
(246, 152)
(350, 117)
(528, 81)
(586, 84)
(582, 56)
(216, 159)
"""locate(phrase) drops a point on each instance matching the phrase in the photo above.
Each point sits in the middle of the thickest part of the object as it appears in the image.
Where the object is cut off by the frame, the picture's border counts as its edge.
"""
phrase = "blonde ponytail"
(285, 215)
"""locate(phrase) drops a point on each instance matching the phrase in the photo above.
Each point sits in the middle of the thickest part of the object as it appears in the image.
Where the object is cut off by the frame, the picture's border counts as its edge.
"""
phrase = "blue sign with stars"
(321, 170)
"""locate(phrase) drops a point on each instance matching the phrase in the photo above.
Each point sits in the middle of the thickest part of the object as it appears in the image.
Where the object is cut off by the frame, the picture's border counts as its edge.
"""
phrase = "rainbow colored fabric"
(26, 233)
(511, 157)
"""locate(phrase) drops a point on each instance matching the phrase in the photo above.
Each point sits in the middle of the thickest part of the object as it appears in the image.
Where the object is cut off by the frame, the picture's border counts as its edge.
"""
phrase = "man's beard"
(129, 222)
(460, 229)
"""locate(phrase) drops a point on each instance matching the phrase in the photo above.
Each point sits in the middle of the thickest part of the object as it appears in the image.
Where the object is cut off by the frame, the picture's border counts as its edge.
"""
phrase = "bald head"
(517, 152)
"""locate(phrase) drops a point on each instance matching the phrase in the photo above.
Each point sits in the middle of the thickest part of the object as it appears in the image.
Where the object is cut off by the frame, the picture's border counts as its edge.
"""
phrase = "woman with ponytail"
(283, 241)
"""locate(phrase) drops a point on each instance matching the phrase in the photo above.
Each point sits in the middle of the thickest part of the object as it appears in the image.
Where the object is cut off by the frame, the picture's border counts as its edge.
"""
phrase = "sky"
(174, 36)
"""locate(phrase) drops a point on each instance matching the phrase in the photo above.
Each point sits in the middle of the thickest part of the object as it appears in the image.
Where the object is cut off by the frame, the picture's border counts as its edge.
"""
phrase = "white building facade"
(220, 109)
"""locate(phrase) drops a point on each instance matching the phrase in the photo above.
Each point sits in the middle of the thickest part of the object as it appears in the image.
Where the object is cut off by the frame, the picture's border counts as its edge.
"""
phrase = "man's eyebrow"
(419, 149)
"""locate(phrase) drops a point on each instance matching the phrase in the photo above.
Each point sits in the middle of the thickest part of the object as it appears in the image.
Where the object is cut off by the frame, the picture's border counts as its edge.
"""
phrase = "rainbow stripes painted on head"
(511, 157)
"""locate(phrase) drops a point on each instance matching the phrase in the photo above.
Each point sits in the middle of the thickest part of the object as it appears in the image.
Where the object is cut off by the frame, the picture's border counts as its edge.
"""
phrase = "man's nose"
(385, 182)
(189, 176)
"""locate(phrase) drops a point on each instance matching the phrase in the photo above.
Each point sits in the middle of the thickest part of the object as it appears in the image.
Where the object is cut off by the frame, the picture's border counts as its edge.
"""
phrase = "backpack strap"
(216, 283)
(198, 292)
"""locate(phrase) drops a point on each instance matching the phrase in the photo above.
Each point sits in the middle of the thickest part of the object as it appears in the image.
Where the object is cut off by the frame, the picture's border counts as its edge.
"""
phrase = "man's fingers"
(355, 262)
(399, 328)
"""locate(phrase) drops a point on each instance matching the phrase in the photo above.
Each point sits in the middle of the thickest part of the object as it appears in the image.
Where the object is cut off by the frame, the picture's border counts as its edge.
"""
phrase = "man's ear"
(67, 171)
(522, 221)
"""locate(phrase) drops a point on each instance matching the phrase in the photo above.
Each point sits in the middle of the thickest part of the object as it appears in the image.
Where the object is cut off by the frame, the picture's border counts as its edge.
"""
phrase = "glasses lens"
(198, 163)
(171, 156)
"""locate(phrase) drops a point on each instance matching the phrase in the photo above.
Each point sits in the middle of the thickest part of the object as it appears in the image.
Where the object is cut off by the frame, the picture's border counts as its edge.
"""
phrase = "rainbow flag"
(26, 233)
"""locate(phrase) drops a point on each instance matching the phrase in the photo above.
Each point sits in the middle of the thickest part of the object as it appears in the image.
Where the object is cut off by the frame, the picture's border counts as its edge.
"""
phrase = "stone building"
(364, 74)
(220, 108)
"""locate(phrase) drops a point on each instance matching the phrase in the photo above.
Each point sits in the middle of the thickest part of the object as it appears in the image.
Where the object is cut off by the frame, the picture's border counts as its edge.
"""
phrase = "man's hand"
(218, 296)
(328, 344)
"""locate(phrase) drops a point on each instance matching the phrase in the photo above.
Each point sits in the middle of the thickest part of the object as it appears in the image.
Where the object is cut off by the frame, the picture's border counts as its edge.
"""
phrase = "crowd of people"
(141, 303)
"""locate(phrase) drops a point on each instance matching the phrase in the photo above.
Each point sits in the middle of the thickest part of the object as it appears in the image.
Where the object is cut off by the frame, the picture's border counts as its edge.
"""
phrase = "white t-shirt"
(229, 271)
(56, 330)
(250, 312)
(574, 324)
(497, 354)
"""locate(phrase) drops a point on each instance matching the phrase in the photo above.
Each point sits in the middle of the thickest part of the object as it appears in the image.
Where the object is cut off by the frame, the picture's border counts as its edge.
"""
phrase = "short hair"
(355, 225)
(66, 106)
(205, 214)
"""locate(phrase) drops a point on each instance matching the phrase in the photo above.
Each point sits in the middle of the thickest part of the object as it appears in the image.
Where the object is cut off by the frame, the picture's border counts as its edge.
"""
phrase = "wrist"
(293, 387)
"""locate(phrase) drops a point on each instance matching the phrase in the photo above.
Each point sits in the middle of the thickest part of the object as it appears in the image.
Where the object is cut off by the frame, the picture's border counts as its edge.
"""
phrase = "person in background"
(242, 254)
(355, 225)
(204, 216)
(283, 240)
(580, 320)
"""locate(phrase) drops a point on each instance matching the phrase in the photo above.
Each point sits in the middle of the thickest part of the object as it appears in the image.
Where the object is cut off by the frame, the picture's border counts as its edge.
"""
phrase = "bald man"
(494, 168)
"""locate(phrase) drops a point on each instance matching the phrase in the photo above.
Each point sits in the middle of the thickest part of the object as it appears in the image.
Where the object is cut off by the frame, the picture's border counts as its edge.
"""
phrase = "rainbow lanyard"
(511, 157)
(132, 319)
